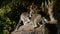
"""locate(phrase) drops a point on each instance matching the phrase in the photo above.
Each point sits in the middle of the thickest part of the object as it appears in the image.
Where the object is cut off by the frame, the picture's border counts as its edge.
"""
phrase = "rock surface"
(28, 29)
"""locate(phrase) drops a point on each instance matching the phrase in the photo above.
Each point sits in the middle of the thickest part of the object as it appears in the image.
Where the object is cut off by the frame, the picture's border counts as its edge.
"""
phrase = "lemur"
(35, 18)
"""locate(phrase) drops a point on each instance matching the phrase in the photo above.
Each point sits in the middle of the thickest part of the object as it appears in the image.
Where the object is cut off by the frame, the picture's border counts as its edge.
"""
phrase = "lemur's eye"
(32, 12)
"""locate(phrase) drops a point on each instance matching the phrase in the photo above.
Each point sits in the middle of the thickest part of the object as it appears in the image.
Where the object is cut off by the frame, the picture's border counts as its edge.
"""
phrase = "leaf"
(5, 31)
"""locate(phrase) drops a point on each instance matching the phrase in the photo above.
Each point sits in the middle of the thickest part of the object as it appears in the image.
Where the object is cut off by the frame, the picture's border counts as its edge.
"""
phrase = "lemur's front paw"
(41, 25)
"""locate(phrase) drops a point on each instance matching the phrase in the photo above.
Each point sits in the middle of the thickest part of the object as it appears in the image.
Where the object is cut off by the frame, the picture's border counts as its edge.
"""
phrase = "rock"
(28, 29)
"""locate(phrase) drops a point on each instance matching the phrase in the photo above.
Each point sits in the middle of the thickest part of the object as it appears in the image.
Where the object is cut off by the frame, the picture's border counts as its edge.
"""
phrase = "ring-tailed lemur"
(24, 18)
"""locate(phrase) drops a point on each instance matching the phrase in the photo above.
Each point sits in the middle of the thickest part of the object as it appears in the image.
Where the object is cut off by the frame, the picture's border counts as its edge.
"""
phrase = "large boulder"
(29, 29)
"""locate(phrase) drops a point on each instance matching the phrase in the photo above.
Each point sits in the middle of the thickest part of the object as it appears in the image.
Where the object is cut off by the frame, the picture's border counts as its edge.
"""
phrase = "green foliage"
(9, 16)
(5, 23)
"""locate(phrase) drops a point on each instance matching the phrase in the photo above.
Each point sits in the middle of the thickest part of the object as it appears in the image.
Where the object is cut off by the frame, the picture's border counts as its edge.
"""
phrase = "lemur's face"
(34, 8)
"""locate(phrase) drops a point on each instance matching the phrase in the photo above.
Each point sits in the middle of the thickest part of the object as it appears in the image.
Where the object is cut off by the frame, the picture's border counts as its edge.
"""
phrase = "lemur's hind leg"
(37, 21)
(18, 25)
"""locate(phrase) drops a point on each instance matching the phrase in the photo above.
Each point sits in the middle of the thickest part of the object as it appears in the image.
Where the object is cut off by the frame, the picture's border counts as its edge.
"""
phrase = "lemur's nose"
(29, 17)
